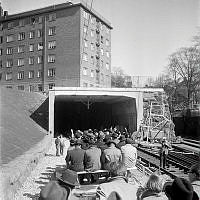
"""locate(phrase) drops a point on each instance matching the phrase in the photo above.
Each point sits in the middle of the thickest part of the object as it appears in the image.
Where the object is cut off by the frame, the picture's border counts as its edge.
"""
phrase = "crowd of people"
(94, 150)
(116, 152)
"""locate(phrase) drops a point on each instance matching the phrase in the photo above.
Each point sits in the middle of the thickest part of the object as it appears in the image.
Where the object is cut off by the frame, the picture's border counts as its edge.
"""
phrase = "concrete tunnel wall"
(76, 115)
(136, 94)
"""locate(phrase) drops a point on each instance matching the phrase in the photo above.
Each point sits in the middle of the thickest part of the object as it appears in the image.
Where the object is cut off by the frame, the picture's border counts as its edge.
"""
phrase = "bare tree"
(184, 65)
(118, 77)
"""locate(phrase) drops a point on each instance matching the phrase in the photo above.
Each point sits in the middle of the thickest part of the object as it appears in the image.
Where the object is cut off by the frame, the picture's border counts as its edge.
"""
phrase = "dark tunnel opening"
(98, 114)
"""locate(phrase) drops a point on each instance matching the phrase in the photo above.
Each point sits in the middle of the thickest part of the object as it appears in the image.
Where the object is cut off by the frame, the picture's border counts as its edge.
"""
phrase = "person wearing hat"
(53, 191)
(57, 143)
(194, 177)
(122, 142)
(111, 154)
(75, 157)
(164, 151)
(180, 189)
(115, 137)
(129, 154)
(92, 157)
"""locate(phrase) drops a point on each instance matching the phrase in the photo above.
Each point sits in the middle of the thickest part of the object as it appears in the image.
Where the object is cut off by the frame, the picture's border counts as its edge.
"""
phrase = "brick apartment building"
(60, 45)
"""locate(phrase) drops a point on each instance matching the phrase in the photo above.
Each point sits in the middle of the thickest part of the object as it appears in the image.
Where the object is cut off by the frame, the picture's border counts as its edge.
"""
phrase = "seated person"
(117, 187)
(129, 154)
(75, 157)
(111, 154)
(152, 190)
(92, 157)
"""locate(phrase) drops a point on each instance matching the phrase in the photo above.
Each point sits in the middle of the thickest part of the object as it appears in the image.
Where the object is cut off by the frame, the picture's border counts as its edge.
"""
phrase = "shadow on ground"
(48, 175)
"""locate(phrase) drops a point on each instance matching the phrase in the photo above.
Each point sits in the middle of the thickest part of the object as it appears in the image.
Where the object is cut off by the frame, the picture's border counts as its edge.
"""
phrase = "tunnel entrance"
(95, 112)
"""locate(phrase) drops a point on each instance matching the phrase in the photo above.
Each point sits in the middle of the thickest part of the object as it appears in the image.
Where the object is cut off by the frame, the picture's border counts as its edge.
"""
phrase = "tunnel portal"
(94, 112)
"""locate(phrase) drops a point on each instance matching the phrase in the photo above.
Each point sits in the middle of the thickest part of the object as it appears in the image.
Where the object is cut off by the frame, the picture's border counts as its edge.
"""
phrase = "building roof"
(55, 8)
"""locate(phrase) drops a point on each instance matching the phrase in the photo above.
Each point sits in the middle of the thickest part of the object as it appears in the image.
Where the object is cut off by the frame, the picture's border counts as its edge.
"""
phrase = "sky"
(145, 32)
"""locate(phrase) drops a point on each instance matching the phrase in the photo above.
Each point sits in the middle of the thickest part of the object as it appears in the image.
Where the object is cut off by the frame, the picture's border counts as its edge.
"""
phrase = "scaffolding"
(157, 121)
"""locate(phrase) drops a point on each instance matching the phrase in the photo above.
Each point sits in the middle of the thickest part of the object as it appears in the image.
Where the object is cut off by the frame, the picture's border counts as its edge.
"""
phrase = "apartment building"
(60, 45)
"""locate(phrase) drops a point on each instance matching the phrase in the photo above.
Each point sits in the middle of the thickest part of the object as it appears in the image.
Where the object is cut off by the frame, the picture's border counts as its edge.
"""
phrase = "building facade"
(60, 45)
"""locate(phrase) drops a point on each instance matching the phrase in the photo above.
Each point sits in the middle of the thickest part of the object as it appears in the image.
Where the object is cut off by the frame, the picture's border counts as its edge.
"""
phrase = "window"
(107, 54)
(9, 50)
(33, 20)
(31, 88)
(21, 22)
(85, 84)
(40, 46)
(92, 46)
(8, 76)
(1, 64)
(101, 26)
(85, 43)
(92, 73)
(39, 73)
(39, 33)
(20, 75)
(1, 52)
(31, 47)
(52, 16)
(85, 14)
(20, 62)
(40, 19)
(9, 86)
(101, 39)
(10, 25)
(102, 63)
(51, 85)
(92, 60)
(20, 49)
(31, 60)
(40, 59)
(52, 30)
(85, 29)
(51, 72)
(39, 87)
(52, 44)
(101, 51)
(9, 38)
(85, 71)
(9, 63)
(31, 74)
(85, 57)
(92, 33)
(51, 58)
(107, 66)
(21, 36)
(107, 30)
(1, 39)
(20, 87)
(92, 20)
(107, 42)
(31, 34)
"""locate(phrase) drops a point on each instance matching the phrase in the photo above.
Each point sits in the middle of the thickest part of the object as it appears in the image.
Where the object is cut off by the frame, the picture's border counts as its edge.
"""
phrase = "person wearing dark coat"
(75, 158)
(122, 142)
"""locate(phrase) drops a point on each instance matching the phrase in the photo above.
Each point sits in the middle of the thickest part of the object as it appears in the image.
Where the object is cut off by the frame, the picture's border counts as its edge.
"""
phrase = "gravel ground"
(40, 175)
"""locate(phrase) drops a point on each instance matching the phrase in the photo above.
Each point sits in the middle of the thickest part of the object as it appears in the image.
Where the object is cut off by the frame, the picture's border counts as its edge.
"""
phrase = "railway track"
(179, 161)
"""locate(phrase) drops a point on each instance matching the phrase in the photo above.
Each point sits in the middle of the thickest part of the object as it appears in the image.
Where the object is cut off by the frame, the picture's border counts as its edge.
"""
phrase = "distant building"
(139, 81)
(60, 45)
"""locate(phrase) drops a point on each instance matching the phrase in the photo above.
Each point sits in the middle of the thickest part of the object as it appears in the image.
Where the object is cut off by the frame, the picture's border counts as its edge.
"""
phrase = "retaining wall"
(15, 172)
